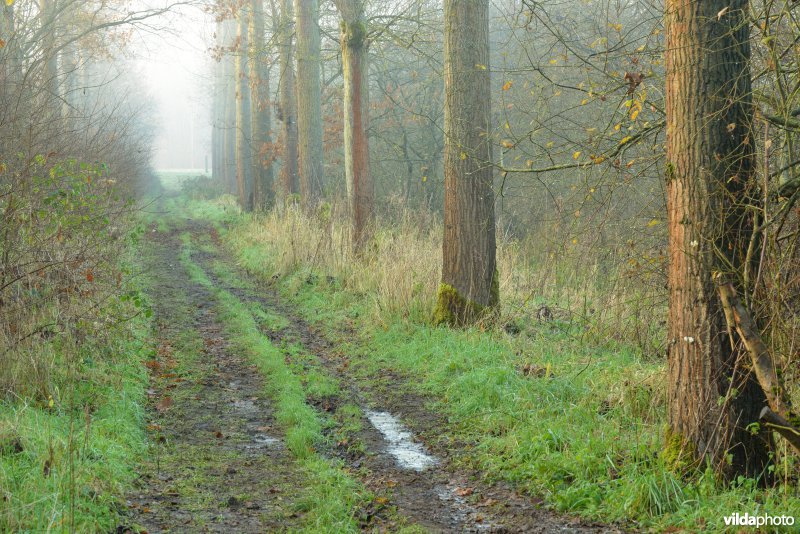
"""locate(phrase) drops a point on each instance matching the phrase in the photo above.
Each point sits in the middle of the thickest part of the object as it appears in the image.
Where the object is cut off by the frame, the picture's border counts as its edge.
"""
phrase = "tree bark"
(244, 156)
(360, 189)
(289, 181)
(469, 288)
(712, 396)
(309, 101)
(263, 187)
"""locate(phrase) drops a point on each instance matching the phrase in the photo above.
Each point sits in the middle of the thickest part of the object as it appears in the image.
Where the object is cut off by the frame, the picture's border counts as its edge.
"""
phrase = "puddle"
(245, 405)
(407, 453)
(463, 512)
(261, 441)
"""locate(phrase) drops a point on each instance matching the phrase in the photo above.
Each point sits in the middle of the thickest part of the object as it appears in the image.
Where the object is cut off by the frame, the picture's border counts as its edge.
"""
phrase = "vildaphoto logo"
(764, 520)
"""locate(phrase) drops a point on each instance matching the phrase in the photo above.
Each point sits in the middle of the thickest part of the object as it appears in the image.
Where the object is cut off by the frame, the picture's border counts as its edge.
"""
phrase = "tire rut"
(217, 462)
(440, 499)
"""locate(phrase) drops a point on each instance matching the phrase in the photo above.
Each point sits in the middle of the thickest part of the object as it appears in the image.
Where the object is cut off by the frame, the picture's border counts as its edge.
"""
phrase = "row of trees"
(242, 133)
(726, 214)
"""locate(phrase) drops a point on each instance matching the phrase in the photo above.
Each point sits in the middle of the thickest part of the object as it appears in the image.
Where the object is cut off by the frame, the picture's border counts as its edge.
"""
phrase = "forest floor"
(258, 422)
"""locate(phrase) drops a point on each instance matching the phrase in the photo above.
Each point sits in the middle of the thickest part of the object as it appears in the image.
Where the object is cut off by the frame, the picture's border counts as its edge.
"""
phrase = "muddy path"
(395, 453)
(217, 461)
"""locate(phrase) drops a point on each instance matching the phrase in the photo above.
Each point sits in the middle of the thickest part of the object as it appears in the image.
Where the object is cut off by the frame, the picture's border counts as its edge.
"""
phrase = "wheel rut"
(217, 461)
(434, 496)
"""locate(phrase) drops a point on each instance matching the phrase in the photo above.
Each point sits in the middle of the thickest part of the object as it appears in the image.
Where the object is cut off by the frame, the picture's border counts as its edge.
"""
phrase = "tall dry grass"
(401, 268)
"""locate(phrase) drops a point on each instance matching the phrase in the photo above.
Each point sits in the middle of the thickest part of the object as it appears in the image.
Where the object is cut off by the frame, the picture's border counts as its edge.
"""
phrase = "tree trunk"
(469, 287)
(360, 189)
(309, 101)
(289, 181)
(262, 121)
(244, 156)
(712, 396)
(229, 121)
(218, 110)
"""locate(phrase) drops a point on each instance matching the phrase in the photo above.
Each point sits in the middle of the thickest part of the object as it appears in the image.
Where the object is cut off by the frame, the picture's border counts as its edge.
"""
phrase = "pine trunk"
(469, 288)
(712, 396)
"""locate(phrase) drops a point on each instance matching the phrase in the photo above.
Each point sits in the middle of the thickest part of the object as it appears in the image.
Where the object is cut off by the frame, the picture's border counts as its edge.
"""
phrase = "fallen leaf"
(464, 492)
(164, 404)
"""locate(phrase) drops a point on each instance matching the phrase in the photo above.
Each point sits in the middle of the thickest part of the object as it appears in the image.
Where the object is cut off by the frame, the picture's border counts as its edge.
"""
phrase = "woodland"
(452, 266)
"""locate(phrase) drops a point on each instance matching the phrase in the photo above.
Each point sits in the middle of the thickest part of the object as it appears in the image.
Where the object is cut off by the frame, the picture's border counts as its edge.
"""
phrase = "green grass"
(580, 425)
(331, 497)
(90, 439)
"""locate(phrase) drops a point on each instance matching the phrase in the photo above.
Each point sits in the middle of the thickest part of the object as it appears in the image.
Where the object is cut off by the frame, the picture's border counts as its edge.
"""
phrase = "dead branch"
(778, 416)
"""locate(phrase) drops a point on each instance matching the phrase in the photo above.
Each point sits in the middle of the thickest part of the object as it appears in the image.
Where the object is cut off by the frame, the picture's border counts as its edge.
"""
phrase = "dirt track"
(218, 461)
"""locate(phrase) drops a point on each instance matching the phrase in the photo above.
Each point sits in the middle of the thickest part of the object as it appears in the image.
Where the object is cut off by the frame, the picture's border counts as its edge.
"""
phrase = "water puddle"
(261, 441)
(463, 512)
(407, 453)
(245, 405)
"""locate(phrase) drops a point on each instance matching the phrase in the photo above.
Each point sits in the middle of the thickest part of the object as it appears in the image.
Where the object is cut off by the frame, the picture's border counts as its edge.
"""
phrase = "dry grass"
(401, 268)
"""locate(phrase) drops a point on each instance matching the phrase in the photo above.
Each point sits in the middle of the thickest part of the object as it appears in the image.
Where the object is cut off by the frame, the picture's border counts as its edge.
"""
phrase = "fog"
(176, 65)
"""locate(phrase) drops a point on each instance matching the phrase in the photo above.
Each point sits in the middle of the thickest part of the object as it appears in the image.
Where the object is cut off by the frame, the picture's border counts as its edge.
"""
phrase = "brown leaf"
(164, 404)
(89, 276)
(464, 492)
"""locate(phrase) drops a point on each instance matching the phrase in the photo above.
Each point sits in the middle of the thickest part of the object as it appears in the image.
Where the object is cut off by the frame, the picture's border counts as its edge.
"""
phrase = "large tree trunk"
(712, 395)
(469, 286)
(244, 156)
(360, 190)
(289, 180)
(262, 121)
(309, 101)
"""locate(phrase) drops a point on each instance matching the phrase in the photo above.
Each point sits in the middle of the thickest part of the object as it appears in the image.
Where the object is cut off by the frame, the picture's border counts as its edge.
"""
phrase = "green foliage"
(77, 450)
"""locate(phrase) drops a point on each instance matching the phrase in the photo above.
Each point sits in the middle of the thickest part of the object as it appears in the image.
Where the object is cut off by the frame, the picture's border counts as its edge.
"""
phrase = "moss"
(670, 171)
(354, 35)
(679, 453)
(454, 309)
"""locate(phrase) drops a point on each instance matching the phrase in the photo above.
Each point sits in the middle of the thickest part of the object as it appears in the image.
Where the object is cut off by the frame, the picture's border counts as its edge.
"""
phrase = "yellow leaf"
(553, 61)
(584, 101)
(507, 143)
(617, 127)
(479, 66)
(424, 179)
(9, 2)
(574, 241)
(625, 140)
(576, 154)
(654, 222)
(634, 114)
(507, 85)
(557, 93)
(463, 155)
(597, 161)
(550, 144)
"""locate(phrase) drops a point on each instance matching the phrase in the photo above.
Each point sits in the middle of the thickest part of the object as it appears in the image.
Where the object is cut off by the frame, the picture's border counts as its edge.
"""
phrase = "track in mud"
(223, 413)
